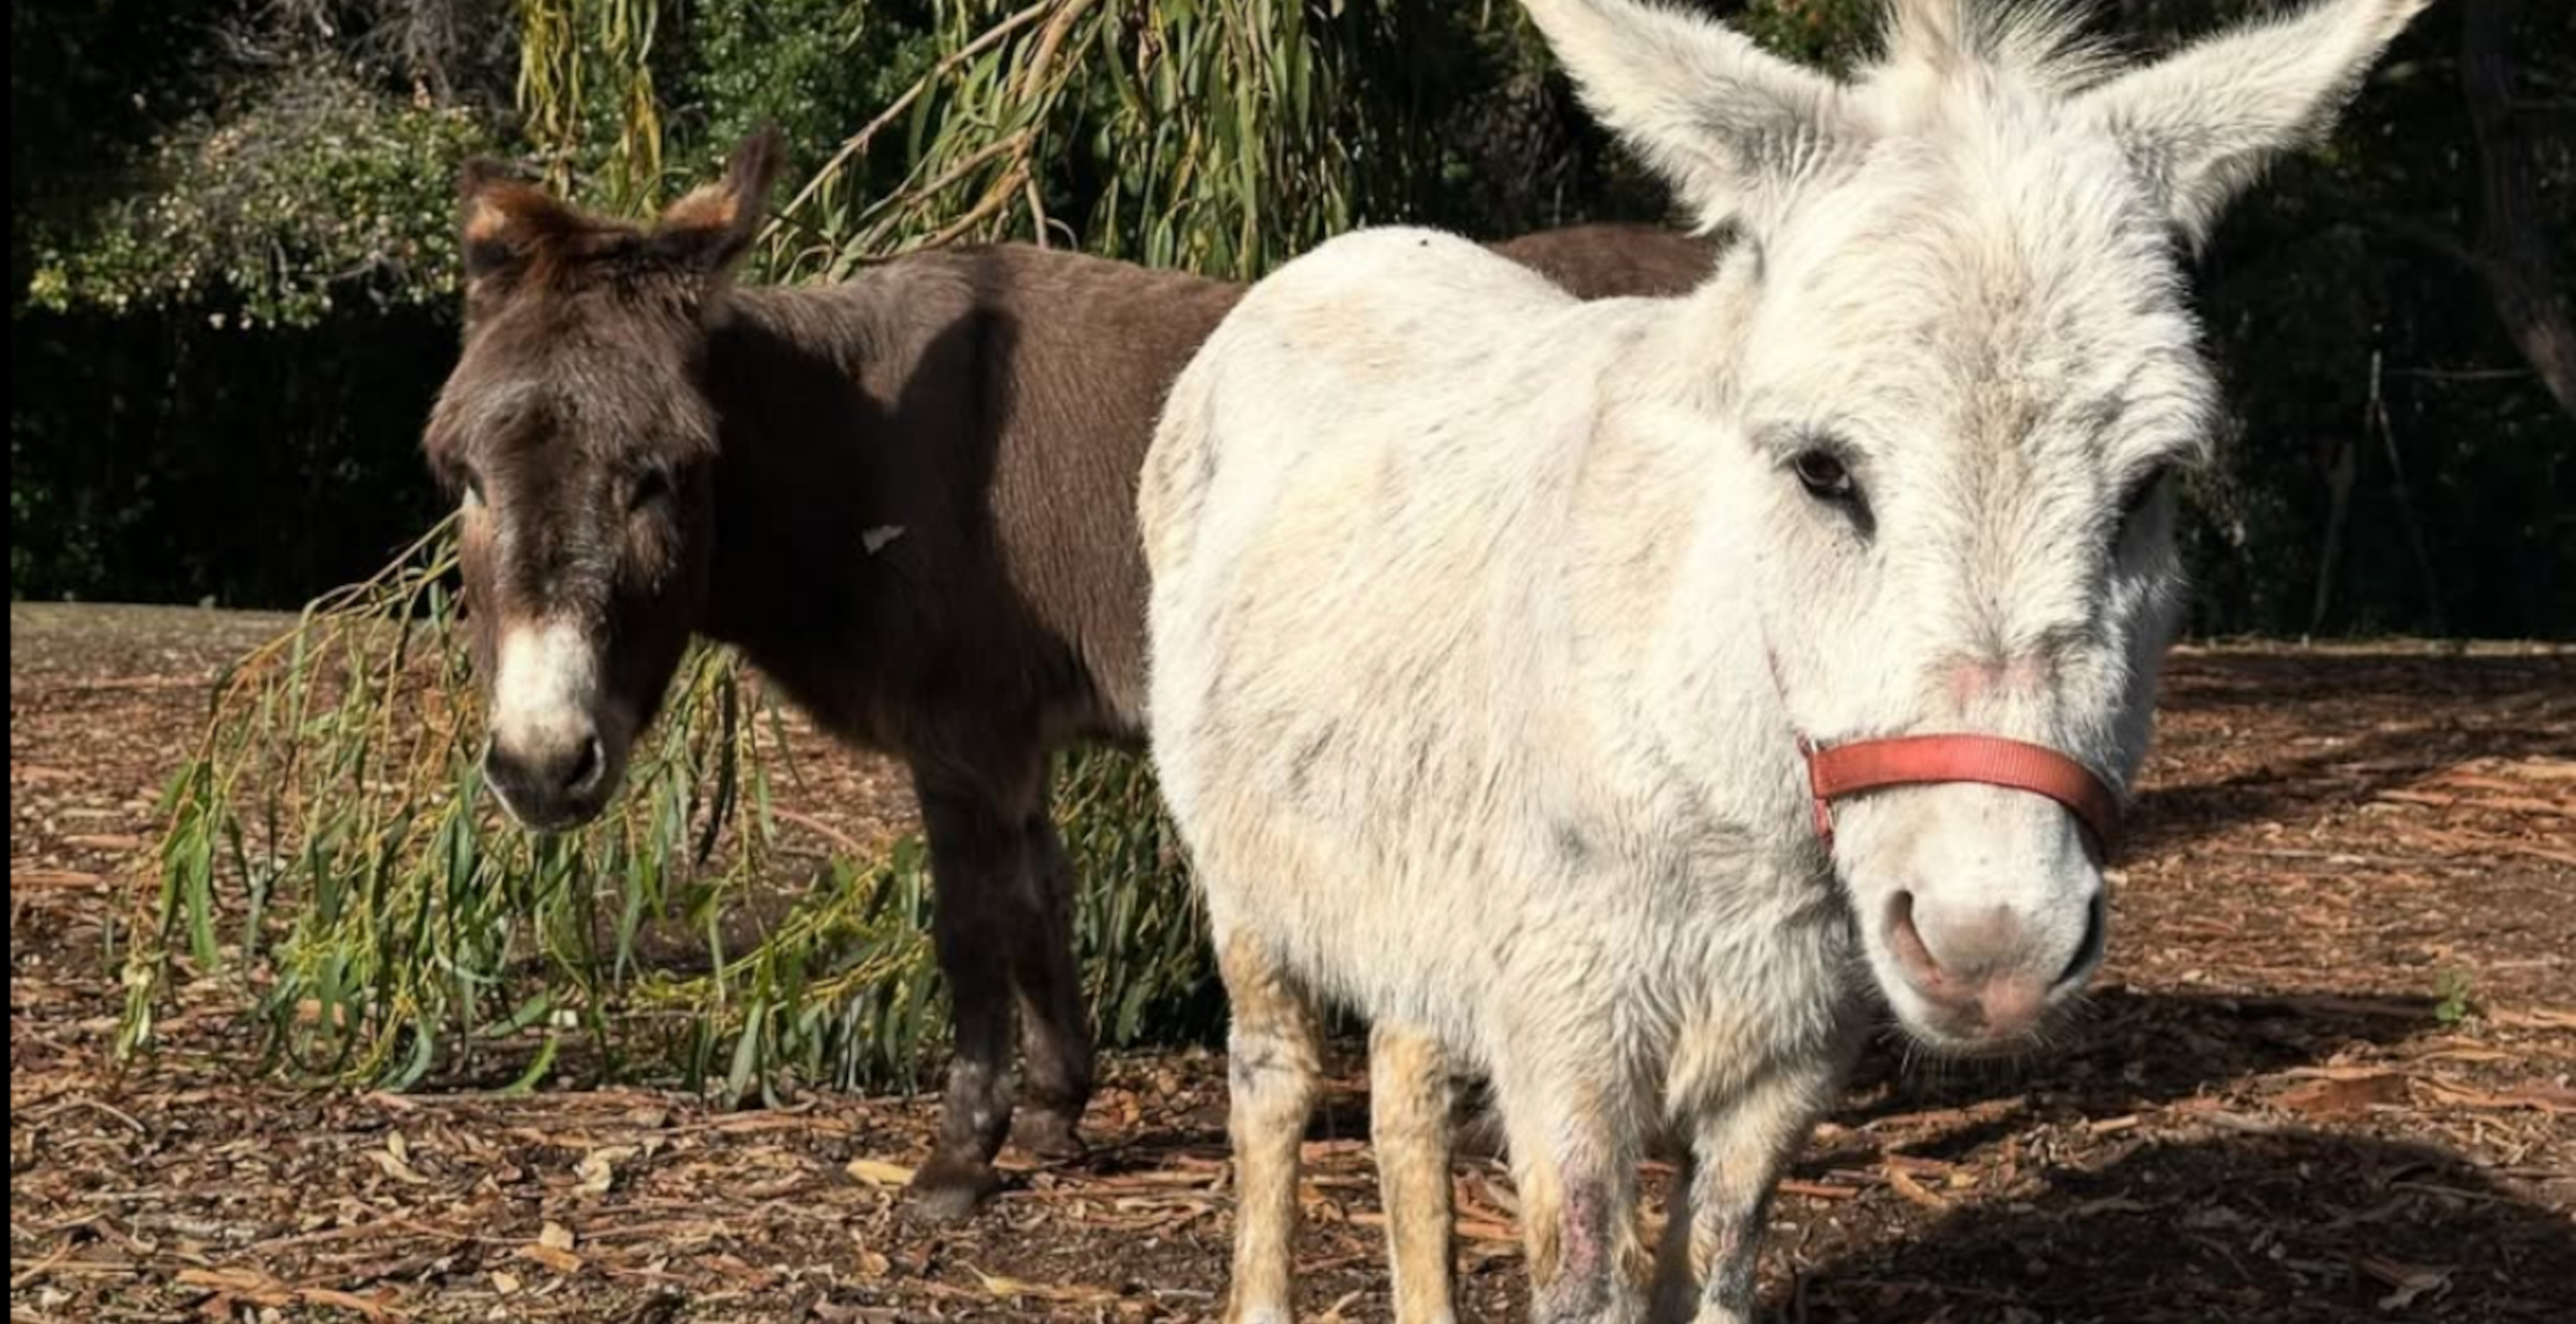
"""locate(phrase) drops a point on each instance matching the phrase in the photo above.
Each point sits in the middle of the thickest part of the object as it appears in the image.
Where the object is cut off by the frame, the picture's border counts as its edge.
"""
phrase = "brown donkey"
(908, 499)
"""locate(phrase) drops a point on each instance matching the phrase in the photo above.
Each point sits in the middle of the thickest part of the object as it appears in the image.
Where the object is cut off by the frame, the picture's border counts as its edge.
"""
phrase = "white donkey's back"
(1372, 468)
(1353, 333)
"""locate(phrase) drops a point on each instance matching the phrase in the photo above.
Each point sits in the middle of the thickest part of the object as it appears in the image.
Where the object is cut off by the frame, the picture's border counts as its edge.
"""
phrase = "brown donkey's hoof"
(1048, 1136)
(949, 1189)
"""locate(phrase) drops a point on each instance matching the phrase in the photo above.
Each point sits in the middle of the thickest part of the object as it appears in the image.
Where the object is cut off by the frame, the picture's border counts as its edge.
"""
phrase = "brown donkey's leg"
(1056, 1032)
(975, 845)
(1409, 1098)
(1272, 1066)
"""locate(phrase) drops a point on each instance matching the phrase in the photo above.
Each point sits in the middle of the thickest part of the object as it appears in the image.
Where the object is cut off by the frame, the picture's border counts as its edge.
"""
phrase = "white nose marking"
(547, 686)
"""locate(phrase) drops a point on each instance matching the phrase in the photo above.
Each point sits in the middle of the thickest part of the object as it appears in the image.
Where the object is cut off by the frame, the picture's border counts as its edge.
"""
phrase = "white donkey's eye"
(1824, 475)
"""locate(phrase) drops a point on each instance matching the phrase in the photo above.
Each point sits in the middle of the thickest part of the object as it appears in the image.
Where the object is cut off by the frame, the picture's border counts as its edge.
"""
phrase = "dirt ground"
(2330, 1075)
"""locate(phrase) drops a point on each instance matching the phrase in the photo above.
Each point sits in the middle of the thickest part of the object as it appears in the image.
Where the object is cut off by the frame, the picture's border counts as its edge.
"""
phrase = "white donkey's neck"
(1663, 555)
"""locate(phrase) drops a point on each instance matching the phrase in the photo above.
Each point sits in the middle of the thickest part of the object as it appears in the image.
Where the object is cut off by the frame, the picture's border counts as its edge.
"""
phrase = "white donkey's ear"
(1728, 126)
(2201, 124)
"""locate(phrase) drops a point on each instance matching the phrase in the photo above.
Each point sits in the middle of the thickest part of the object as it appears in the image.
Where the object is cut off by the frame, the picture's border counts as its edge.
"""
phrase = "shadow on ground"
(2131, 1050)
(2455, 708)
(2295, 1227)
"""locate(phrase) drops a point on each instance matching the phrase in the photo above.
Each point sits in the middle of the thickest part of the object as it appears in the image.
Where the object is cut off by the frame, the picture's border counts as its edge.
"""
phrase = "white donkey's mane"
(2044, 45)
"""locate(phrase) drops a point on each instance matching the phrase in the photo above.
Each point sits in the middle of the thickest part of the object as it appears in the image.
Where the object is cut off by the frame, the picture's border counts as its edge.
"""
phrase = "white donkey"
(1607, 696)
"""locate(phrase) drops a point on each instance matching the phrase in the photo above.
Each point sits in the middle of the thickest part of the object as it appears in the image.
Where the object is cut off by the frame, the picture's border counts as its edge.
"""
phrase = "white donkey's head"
(1945, 377)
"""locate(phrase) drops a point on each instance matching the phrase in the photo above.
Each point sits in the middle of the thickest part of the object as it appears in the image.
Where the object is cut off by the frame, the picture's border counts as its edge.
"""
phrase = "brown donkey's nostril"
(585, 770)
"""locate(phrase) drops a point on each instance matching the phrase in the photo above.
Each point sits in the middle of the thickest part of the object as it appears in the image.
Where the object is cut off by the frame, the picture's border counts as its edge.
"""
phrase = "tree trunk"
(2513, 246)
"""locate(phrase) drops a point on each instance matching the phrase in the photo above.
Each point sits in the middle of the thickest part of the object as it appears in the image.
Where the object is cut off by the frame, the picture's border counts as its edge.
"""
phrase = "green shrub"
(321, 191)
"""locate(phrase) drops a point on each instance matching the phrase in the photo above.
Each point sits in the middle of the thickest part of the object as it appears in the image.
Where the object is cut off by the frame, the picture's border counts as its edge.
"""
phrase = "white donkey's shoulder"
(1402, 266)
(1387, 309)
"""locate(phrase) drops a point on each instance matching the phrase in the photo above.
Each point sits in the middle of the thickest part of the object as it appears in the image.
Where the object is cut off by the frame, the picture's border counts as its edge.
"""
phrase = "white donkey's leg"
(1574, 1164)
(1722, 1197)
(1409, 1097)
(1272, 1067)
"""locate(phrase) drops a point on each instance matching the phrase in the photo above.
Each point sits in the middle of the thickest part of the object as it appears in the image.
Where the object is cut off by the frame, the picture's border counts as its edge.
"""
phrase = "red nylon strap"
(1870, 765)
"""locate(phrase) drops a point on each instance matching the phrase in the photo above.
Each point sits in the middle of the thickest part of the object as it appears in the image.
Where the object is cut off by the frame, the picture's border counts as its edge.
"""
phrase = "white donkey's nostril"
(1914, 954)
(1982, 972)
(1950, 948)
(2088, 953)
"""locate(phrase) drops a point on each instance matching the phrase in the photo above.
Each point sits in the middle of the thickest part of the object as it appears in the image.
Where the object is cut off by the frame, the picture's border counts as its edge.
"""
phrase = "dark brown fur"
(908, 499)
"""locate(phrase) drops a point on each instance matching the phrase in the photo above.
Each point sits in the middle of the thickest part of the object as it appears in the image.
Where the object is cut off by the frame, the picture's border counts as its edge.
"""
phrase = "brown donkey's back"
(925, 528)
(982, 415)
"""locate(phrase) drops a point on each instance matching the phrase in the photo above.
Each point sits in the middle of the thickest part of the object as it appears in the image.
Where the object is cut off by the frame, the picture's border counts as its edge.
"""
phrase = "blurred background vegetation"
(231, 248)
(233, 293)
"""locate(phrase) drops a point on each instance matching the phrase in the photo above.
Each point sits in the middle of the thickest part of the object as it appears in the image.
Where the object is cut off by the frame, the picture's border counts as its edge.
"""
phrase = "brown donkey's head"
(578, 436)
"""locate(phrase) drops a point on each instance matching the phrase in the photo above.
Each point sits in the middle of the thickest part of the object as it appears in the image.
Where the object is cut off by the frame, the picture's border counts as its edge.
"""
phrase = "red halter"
(1869, 765)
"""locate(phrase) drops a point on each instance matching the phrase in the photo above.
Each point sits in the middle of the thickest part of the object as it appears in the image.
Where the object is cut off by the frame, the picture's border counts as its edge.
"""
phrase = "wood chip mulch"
(2330, 1076)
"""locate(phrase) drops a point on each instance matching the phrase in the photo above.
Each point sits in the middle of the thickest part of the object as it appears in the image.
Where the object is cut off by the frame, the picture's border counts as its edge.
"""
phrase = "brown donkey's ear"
(711, 228)
(511, 225)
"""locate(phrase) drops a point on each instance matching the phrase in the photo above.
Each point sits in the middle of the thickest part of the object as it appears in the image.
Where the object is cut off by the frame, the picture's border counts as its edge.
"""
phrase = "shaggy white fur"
(1484, 622)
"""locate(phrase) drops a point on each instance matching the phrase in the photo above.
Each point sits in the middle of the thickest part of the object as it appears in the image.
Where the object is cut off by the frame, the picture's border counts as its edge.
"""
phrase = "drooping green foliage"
(1221, 138)
(815, 70)
(329, 854)
(586, 93)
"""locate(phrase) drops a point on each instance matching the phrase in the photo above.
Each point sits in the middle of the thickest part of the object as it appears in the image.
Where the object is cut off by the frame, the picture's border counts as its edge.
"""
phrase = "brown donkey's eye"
(2139, 494)
(651, 485)
(1825, 475)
